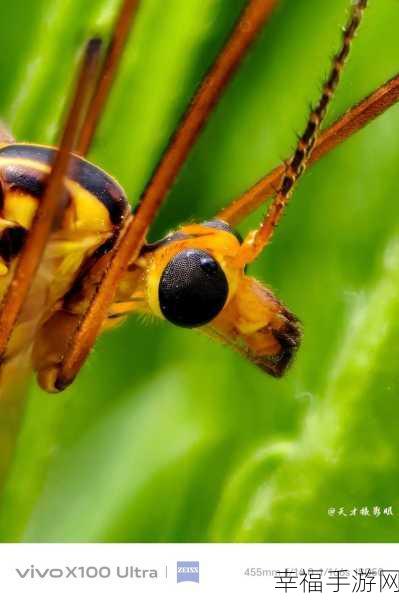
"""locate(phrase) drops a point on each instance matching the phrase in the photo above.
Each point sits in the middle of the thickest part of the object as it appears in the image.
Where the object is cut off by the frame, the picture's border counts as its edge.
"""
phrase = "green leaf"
(165, 436)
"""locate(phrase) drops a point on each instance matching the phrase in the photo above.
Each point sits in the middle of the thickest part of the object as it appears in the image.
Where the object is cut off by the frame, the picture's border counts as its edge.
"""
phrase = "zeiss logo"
(188, 571)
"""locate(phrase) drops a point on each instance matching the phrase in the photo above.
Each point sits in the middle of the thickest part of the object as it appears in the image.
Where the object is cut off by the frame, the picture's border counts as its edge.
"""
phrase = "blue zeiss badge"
(188, 571)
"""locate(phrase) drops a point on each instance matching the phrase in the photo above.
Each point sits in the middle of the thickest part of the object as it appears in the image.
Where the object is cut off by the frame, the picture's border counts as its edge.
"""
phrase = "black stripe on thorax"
(26, 179)
(11, 242)
(87, 175)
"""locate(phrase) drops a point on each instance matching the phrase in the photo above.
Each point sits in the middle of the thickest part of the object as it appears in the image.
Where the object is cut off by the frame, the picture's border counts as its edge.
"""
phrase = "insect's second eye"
(193, 289)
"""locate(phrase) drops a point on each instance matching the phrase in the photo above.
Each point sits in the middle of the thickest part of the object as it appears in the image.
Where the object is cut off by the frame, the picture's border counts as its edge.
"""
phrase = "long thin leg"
(107, 74)
(257, 240)
(49, 206)
(249, 24)
(350, 123)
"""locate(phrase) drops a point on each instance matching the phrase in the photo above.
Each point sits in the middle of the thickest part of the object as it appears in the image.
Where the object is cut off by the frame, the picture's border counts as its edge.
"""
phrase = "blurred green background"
(166, 436)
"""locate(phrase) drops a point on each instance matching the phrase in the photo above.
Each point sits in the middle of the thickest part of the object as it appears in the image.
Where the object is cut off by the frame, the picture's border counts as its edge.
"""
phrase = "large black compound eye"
(193, 289)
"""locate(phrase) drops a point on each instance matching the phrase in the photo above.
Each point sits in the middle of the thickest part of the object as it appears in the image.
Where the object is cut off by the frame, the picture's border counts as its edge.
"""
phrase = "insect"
(63, 215)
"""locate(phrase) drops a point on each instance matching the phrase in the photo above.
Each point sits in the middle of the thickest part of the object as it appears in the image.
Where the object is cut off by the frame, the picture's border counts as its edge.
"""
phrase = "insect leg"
(120, 34)
(127, 251)
(258, 239)
(48, 209)
(52, 338)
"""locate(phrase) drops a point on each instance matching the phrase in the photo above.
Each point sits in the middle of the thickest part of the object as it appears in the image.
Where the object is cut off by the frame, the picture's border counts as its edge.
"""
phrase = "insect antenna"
(350, 123)
(106, 77)
(257, 240)
(49, 207)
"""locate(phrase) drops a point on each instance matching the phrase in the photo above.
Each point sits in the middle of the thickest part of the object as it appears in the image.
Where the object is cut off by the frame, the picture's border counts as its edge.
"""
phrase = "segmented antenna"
(257, 240)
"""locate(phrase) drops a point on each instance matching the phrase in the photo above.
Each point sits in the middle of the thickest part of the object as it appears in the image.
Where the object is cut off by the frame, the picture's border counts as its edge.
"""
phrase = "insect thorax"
(92, 211)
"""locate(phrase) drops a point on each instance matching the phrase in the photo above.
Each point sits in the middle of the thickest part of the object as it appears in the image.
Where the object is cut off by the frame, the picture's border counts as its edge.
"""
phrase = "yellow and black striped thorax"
(93, 202)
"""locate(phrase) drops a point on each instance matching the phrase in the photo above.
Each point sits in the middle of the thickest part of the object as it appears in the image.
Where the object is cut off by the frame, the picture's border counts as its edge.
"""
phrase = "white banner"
(198, 570)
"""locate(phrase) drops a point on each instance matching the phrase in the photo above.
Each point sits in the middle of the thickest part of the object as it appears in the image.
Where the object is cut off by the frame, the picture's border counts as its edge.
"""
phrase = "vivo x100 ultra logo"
(188, 571)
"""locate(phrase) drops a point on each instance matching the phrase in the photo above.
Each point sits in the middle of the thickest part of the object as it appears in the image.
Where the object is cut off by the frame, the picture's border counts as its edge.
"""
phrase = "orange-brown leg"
(119, 38)
(52, 339)
(50, 205)
(86, 331)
